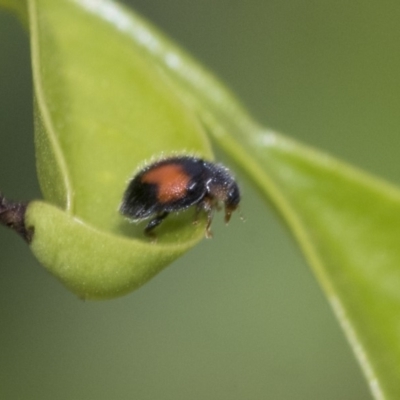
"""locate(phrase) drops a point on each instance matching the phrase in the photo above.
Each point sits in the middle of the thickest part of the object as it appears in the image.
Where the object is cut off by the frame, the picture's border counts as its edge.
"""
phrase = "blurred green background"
(241, 316)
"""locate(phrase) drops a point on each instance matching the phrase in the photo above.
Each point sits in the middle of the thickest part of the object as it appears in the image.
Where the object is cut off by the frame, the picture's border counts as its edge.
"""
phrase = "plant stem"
(12, 214)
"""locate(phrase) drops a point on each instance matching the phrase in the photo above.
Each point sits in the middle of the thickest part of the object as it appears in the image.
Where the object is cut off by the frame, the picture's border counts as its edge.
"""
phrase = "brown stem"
(12, 214)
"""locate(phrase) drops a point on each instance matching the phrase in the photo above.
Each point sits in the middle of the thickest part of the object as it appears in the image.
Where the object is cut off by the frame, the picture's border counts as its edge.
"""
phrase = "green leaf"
(101, 110)
(18, 7)
(346, 222)
(348, 225)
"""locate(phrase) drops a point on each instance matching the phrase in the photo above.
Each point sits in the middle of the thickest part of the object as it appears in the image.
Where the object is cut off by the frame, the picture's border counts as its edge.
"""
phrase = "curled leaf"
(101, 111)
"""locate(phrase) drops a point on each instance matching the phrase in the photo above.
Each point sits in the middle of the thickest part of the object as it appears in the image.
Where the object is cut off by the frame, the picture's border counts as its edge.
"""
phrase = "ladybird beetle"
(173, 184)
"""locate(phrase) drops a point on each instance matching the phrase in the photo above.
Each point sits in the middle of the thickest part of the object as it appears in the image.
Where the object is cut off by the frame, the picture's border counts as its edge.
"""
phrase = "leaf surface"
(346, 221)
(102, 110)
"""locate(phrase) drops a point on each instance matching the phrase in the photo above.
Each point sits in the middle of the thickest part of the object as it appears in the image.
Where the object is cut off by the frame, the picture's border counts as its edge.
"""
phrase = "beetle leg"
(210, 214)
(208, 206)
(148, 231)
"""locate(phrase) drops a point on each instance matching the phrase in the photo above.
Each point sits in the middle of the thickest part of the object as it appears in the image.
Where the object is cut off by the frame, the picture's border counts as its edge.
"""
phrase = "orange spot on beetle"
(171, 181)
